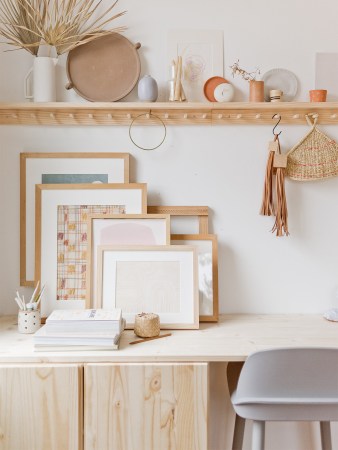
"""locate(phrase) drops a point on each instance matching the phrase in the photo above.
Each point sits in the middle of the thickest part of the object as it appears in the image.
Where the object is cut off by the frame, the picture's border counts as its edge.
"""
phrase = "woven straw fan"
(315, 157)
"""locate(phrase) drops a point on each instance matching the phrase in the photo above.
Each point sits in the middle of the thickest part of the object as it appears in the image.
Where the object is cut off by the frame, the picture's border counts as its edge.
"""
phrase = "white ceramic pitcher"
(44, 80)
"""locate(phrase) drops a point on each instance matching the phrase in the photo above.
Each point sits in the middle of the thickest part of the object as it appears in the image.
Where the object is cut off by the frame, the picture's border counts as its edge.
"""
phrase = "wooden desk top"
(232, 339)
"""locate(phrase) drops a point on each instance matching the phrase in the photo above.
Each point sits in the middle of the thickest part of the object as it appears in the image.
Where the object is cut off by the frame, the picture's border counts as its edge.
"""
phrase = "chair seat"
(286, 408)
(286, 384)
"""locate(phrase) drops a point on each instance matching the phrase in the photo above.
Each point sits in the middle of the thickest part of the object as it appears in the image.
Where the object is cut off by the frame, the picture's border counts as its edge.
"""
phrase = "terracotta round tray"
(105, 69)
(210, 85)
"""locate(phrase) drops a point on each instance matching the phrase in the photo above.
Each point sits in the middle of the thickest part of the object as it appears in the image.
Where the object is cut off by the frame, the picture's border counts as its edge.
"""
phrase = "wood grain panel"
(40, 407)
(146, 406)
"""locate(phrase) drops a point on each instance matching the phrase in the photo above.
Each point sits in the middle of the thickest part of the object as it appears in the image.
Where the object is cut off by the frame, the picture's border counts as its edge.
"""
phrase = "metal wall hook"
(279, 119)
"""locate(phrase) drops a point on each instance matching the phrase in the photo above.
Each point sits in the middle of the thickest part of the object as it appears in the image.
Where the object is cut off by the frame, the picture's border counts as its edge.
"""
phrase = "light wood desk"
(164, 394)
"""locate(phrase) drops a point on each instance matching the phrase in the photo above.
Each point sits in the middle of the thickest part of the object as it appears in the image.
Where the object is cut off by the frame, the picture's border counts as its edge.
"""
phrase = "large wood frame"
(213, 239)
(91, 258)
(46, 224)
(187, 315)
(24, 281)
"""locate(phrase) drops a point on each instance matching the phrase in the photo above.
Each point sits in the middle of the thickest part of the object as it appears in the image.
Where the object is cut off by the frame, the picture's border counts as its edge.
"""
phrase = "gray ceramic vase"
(147, 89)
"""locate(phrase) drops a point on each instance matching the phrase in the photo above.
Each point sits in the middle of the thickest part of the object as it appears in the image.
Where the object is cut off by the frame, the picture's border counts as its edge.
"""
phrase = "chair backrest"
(299, 373)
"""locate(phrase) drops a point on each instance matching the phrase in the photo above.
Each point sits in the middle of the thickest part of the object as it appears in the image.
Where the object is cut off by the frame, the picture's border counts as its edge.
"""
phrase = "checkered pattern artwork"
(72, 247)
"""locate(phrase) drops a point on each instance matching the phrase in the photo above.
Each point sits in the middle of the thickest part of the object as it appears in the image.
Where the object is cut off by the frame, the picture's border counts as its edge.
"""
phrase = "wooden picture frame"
(164, 281)
(75, 168)
(208, 271)
(49, 199)
(105, 229)
(202, 212)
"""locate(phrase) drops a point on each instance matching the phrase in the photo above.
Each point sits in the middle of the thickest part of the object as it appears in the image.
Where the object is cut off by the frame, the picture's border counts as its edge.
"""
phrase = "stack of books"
(86, 329)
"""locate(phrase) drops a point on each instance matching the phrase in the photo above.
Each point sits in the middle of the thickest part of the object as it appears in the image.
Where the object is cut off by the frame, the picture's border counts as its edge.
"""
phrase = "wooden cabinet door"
(40, 407)
(145, 406)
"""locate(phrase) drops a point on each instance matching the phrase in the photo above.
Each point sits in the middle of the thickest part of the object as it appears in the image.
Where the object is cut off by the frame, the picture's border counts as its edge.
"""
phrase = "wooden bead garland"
(147, 325)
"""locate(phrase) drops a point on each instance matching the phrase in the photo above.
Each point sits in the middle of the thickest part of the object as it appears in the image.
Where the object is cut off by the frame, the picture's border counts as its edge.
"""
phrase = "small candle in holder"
(276, 95)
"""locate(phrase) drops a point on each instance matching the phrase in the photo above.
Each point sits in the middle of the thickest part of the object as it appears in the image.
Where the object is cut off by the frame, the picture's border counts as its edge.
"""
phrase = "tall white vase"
(44, 80)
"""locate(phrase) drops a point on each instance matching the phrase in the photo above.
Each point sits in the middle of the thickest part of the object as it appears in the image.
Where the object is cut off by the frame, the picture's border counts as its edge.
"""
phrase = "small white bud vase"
(147, 89)
(29, 321)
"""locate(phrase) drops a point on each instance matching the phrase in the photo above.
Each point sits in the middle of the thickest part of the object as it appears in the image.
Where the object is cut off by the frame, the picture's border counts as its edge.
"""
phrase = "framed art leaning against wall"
(125, 229)
(61, 235)
(55, 168)
(206, 246)
(158, 279)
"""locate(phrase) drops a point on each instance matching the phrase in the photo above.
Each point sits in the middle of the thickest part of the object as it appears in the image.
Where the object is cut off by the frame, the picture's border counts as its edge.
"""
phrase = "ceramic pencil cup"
(29, 321)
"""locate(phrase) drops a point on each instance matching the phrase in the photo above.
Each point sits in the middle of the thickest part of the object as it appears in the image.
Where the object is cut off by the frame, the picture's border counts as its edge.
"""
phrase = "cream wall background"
(222, 167)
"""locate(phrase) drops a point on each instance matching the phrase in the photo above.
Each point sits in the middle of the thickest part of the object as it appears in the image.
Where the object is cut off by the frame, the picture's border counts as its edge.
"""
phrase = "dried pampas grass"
(62, 24)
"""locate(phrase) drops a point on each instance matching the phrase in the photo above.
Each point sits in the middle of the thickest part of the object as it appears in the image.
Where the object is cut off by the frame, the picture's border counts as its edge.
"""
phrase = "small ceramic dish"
(210, 86)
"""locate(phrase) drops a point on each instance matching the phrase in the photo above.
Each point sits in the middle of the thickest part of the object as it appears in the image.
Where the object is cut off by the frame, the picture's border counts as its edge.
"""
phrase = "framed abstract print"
(206, 246)
(158, 279)
(61, 235)
(56, 168)
(125, 229)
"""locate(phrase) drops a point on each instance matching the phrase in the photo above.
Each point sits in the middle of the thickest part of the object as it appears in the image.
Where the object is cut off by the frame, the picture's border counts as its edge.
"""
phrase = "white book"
(84, 315)
(90, 320)
(70, 338)
(73, 348)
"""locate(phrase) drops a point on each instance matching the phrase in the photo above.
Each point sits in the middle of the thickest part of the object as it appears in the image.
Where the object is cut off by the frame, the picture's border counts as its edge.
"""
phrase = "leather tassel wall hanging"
(274, 197)
(267, 208)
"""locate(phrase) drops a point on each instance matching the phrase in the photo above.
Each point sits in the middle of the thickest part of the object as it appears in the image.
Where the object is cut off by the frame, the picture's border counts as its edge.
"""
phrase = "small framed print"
(125, 229)
(57, 168)
(158, 279)
(61, 235)
(206, 246)
(202, 58)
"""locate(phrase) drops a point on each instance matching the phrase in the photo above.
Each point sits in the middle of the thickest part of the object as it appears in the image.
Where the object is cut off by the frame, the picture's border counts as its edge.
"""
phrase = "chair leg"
(258, 435)
(325, 435)
(237, 442)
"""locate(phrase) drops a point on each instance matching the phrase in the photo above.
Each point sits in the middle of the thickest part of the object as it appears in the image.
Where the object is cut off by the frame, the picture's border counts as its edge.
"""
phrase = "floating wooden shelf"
(123, 113)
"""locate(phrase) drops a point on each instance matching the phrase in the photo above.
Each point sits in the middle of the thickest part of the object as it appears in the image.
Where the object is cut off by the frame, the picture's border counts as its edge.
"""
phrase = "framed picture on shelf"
(61, 234)
(202, 58)
(158, 279)
(125, 229)
(206, 246)
(55, 168)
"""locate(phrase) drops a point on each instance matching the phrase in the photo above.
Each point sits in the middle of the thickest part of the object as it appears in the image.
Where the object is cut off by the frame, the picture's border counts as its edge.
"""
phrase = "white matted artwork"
(202, 58)
(54, 168)
(126, 229)
(327, 74)
(206, 246)
(157, 279)
(133, 197)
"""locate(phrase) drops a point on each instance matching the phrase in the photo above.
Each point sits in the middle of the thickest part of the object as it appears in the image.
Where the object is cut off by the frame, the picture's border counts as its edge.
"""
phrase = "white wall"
(222, 167)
